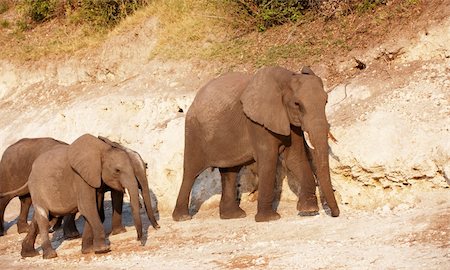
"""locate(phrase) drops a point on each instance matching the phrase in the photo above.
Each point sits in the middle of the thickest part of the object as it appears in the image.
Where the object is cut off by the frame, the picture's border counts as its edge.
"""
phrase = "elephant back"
(216, 118)
(16, 162)
(219, 96)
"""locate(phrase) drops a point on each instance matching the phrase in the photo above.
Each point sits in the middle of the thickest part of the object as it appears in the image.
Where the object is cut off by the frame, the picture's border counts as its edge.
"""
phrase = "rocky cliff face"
(392, 120)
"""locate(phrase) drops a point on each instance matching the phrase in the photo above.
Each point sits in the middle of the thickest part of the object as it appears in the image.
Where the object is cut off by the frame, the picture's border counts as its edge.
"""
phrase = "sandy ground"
(414, 236)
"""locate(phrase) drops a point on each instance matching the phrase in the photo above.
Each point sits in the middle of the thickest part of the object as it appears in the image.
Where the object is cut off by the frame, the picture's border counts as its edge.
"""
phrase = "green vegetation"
(268, 13)
(39, 10)
(369, 5)
(4, 6)
(104, 13)
(5, 23)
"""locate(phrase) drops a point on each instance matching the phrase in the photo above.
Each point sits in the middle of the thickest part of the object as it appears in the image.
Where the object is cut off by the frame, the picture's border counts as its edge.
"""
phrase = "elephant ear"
(262, 100)
(112, 143)
(307, 70)
(85, 158)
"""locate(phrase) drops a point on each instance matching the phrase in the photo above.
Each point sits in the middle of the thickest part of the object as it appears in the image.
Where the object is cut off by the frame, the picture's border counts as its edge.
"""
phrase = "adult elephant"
(237, 119)
(15, 167)
(66, 179)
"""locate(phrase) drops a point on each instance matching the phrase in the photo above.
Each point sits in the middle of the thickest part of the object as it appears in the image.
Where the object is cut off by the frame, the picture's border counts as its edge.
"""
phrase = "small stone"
(386, 209)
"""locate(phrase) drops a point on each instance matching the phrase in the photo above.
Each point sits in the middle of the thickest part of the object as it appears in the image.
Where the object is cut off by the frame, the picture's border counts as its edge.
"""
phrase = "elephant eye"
(300, 107)
(117, 170)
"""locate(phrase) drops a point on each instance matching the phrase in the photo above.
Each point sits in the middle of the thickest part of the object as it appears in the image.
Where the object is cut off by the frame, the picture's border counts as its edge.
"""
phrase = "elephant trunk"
(317, 141)
(139, 171)
(148, 205)
(134, 201)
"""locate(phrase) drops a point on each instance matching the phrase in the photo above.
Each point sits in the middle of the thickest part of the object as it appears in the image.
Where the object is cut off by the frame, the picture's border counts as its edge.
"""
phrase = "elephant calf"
(15, 167)
(66, 179)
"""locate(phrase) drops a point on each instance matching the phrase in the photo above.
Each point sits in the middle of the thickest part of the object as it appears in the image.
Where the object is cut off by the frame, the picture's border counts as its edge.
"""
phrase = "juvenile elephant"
(15, 167)
(139, 168)
(237, 119)
(66, 179)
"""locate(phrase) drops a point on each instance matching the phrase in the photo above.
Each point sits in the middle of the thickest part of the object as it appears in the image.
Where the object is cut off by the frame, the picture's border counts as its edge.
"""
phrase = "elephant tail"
(17, 192)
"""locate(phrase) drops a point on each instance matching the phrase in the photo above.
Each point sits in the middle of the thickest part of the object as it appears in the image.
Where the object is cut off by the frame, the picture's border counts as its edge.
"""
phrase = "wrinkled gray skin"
(66, 179)
(15, 167)
(237, 119)
(139, 168)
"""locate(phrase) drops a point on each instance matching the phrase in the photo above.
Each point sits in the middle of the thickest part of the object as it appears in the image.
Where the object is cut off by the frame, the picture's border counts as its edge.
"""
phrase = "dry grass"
(48, 40)
(213, 31)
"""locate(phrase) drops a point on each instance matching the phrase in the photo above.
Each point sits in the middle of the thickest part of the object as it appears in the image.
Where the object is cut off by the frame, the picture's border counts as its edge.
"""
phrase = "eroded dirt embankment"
(391, 119)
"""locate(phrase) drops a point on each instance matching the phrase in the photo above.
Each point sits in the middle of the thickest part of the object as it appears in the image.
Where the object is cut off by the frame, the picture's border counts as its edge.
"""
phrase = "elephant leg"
(192, 168)
(87, 239)
(93, 235)
(41, 216)
(29, 240)
(91, 241)
(101, 205)
(298, 163)
(229, 207)
(267, 176)
(55, 224)
(3, 203)
(25, 203)
(69, 227)
(266, 147)
(117, 203)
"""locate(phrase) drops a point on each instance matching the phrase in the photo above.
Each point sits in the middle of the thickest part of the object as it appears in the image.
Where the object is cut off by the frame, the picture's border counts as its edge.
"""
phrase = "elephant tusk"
(332, 138)
(128, 194)
(308, 141)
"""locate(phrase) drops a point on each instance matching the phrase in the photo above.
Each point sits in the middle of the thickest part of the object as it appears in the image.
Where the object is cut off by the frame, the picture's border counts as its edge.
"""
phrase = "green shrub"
(368, 5)
(104, 12)
(5, 23)
(268, 13)
(95, 12)
(39, 10)
(4, 6)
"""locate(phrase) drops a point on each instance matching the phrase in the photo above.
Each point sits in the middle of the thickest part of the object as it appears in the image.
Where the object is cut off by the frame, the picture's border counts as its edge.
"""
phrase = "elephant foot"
(50, 254)
(23, 228)
(335, 212)
(178, 215)
(232, 213)
(2, 233)
(87, 250)
(72, 235)
(264, 216)
(308, 214)
(308, 206)
(118, 230)
(29, 253)
(102, 249)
